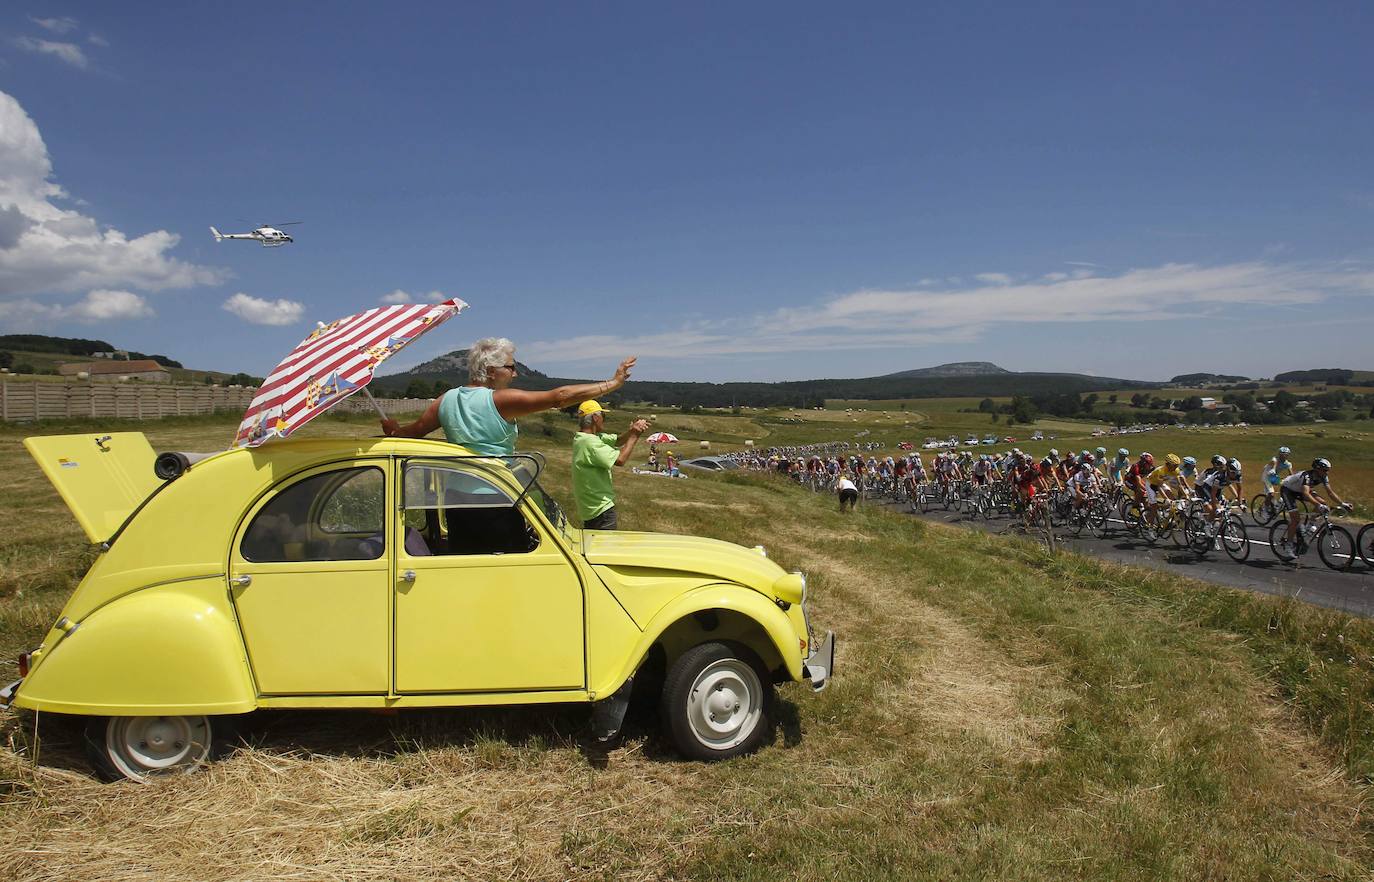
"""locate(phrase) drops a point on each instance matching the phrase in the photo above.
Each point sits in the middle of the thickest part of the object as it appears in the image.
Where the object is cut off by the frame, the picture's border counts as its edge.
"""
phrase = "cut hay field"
(997, 713)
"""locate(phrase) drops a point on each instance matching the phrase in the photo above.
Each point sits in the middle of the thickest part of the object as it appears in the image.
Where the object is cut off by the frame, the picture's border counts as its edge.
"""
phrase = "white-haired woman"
(481, 415)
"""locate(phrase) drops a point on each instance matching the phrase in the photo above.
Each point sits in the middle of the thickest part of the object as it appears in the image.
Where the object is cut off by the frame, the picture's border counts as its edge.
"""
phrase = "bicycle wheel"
(1336, 547)
(1262, 509)
(1365, 543)
(1285, 553)
(1199, 539)
(1097, 519)
(1233, 539)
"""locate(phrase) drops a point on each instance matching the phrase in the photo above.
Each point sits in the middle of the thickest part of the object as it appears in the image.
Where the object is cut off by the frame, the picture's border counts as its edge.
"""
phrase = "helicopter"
(268, 234)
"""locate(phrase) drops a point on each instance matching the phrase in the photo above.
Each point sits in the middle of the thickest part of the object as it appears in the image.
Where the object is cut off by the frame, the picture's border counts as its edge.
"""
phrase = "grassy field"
(997, 713)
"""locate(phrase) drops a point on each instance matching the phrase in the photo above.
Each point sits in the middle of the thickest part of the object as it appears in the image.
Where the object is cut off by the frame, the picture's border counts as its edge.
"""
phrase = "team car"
(388, 573)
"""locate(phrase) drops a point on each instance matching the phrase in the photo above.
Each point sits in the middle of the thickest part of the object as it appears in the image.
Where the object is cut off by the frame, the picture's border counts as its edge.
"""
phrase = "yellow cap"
(587, 407)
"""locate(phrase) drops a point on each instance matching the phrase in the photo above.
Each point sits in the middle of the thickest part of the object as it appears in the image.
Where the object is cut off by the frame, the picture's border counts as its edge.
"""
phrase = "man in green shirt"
(594, 454)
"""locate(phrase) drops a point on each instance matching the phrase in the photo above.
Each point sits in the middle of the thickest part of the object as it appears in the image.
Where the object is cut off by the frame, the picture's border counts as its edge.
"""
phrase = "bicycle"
(1222, 528)
(1335, 545)
(1267, 506)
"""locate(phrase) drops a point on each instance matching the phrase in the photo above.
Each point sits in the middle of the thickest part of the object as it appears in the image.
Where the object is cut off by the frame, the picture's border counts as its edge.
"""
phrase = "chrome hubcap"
(142, 746)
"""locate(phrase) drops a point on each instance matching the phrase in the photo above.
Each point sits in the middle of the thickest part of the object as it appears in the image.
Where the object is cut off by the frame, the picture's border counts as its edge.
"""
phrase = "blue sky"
(729, 191)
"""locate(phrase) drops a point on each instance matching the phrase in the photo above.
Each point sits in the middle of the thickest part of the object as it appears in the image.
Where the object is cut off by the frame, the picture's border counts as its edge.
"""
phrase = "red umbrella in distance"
(662, 438)
(331, 364)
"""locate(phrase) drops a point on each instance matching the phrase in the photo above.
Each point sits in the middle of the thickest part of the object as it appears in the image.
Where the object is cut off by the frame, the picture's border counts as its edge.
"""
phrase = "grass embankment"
(997, 714)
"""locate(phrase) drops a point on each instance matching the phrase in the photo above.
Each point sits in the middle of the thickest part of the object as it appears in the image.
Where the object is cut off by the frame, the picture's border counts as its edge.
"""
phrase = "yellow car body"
(376, 573)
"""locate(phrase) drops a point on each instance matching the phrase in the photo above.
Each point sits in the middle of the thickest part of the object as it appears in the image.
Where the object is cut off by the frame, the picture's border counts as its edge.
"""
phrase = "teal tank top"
(469, 417)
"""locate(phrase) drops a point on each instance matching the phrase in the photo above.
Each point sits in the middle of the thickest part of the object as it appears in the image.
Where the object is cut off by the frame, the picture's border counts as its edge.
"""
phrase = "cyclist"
(1301, 486)
(1026, 476)
(1116, 468)
(1166, 478)
(1085, 481)
(1276, 470)
(1136, 481)
(1213, 483)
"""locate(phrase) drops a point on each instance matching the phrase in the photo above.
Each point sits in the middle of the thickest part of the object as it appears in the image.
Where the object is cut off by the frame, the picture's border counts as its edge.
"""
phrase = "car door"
(310, 577)
(486, 599)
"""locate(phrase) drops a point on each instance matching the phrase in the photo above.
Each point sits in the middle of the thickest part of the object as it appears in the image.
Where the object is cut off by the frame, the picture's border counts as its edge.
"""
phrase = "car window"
(454, 510)
(332, 516)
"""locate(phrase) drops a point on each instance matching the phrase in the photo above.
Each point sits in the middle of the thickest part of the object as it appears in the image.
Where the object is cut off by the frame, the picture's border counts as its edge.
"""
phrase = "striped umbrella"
(331, 364)
(662, 438)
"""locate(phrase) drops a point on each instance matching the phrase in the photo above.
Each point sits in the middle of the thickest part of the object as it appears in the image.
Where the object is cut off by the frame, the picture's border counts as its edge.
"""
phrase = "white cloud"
(68, 52)
(994, 278)
(50, 250)
(877, 318)
(97, 40)
(60, 25)
(258, 311)
(98, 306)
(399, 296)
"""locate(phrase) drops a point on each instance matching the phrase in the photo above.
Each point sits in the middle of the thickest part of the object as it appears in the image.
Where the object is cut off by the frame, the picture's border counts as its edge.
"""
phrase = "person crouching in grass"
(594, 455)
(848, 493)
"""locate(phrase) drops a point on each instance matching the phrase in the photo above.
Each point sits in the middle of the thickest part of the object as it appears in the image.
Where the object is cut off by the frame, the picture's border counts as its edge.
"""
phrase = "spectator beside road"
(847, 492)
(594, 455)
(481, 415)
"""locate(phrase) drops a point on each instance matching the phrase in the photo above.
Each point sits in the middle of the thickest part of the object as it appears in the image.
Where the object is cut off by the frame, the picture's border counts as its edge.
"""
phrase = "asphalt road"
(1307, 579)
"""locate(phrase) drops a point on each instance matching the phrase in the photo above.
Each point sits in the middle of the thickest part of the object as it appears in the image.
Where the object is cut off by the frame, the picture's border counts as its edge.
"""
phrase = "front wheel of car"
(140, 748)
(716, 703)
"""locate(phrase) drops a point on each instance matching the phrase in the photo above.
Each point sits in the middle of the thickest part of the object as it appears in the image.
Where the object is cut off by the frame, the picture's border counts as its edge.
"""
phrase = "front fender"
(737, 598)
(170, 649)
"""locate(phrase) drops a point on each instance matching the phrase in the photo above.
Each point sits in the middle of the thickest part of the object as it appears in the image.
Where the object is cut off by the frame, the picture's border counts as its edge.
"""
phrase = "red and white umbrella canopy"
(662, 438)
(331, 364)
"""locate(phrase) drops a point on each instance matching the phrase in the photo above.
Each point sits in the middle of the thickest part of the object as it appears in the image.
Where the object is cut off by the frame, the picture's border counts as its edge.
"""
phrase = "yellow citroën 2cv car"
(388, 573)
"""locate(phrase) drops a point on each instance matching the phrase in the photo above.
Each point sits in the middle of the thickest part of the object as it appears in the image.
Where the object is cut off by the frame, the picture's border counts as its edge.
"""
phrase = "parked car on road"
(389, 573)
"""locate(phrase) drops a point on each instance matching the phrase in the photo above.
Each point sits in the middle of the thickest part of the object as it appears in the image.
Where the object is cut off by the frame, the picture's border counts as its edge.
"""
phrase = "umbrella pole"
(380, 412)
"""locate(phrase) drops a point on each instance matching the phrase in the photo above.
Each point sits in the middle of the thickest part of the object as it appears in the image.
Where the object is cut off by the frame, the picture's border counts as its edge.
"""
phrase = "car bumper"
(820, 664)
(7, 694)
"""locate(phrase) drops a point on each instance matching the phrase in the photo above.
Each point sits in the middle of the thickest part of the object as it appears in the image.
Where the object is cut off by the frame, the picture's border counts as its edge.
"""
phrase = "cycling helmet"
(1054, 452)
(1147, 459)
(1089, 459)
(1173, 460)
(1233, 465)
(1189, 461)
(1082, 453)
(1101, 451)
(1321, 463)
(1218, 460)
(1123, 452)
(1284, 451)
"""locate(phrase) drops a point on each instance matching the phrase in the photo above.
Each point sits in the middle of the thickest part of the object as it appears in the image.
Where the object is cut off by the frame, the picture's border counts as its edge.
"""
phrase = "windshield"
(548, 505)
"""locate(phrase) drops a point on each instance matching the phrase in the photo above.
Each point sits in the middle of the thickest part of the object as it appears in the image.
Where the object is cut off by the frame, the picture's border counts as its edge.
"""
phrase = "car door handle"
(407, 575)
(241, 581)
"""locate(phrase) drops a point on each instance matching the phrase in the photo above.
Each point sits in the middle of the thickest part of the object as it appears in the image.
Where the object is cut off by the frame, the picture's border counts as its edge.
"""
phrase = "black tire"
(210, 737)
(1276, 533)
(1233, 539)
(1262, 509)
(1365, 542)
(1336, 547)
(1097, 519)
(1196, 531)
(689, 717)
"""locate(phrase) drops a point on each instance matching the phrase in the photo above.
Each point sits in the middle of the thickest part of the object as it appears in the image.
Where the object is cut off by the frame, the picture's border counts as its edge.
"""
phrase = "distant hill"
(1329, 376)
(1206, 379)
(953, 369)
(453, 368)
(83, 349)
(974, 379)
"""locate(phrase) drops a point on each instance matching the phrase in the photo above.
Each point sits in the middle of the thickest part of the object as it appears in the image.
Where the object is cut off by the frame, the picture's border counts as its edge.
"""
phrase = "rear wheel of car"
(716, 702)
(140, 748)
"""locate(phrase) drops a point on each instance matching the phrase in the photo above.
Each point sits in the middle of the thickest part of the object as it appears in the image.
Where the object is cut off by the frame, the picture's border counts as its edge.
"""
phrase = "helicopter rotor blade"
(287, 224)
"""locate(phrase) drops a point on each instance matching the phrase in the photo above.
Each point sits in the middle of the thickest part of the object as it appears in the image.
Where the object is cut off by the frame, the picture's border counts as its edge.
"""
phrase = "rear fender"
(169, 649)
